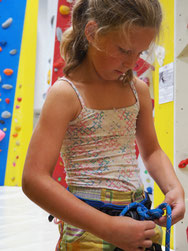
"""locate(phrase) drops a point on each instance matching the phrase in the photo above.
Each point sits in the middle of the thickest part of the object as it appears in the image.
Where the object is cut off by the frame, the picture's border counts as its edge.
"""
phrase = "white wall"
(45, 49)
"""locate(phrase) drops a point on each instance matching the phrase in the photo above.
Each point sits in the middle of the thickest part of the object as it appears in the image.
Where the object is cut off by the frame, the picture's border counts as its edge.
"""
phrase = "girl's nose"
(130, 62)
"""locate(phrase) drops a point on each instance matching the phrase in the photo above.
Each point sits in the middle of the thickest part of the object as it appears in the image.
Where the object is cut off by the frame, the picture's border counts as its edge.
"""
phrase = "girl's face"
(112, 55)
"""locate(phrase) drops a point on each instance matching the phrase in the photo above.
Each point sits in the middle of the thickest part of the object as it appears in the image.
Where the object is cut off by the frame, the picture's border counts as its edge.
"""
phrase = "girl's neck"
(86, 73)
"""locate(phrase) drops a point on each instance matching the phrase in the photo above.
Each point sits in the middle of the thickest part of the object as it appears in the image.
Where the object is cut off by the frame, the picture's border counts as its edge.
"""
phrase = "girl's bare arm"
(155, 160)
(61, 106)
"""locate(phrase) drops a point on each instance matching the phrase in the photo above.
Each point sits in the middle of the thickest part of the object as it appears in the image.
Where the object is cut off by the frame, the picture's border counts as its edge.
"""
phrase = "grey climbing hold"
(52, 20)
(3, 43)
(7, 86)
(2, 122)
(5, 115)
(59, 34)
(44, 95)
(0, 79)
(13, 52)
(7, 23)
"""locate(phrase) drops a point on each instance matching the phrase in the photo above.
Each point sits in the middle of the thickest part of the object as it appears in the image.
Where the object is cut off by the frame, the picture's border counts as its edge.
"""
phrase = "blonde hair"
(109, 15)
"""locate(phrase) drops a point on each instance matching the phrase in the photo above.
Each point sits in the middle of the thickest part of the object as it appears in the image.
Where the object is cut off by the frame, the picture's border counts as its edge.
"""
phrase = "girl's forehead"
(137, 36)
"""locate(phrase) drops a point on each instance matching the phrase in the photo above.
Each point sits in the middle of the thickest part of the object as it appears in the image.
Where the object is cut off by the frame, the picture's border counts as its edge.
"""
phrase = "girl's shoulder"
(140, 85)
(141, 88)
(62, 96)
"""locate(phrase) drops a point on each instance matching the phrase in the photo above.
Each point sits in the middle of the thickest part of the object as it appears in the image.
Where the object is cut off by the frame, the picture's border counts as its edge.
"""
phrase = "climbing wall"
(46, 26)
(17, 75)
(181, 111)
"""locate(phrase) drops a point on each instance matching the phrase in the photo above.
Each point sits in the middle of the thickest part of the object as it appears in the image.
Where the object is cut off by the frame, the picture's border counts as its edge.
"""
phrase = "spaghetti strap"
(135, 92)
(75, 89)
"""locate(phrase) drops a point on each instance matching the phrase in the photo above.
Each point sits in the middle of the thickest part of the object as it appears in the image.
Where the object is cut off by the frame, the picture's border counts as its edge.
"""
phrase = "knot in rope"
(152, 214)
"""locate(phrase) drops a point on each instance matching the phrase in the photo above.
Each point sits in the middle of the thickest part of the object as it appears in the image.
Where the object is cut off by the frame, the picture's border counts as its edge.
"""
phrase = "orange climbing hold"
(8, 72)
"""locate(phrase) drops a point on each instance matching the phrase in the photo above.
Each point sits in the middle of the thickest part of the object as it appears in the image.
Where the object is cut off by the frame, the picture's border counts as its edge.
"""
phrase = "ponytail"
(74, 44)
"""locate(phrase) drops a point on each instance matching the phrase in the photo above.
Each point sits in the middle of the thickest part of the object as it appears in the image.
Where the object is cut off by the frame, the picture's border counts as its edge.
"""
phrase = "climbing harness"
(142, 212)
(135, 210)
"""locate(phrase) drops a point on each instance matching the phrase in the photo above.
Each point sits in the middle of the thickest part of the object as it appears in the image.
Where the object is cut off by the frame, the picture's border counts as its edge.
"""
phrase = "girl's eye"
(127, 52)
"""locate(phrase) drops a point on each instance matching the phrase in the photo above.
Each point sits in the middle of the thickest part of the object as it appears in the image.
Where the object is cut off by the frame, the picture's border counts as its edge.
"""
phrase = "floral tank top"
(99, 147)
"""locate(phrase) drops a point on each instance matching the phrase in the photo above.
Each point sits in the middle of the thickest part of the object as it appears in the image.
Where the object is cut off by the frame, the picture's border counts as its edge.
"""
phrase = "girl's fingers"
(147, 243)
(161, 222)
(149, 225)
(149, 233)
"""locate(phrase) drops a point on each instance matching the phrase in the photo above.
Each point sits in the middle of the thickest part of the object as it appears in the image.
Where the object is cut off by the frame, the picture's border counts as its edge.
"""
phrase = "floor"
(23, 225)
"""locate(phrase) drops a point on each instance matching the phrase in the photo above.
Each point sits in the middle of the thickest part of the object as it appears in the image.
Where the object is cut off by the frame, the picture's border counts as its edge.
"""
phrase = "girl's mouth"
(119, 72)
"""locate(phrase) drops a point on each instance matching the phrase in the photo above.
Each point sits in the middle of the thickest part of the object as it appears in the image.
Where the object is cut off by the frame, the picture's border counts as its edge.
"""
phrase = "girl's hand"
(129, 234)
(175, 198)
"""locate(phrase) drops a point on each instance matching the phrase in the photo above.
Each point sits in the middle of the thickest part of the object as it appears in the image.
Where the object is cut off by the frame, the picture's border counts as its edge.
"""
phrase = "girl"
(93, 116)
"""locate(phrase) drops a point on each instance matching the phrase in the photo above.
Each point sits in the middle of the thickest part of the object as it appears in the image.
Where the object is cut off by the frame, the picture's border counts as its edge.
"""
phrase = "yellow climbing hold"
(64, 10)
(17, 128)
(49, 77)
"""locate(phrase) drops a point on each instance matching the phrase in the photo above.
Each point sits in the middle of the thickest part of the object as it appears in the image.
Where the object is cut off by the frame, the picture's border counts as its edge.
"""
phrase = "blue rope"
(152, 214)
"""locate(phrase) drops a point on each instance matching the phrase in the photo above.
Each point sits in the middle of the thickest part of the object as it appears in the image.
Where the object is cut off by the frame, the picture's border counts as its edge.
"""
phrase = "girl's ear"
(90, 31)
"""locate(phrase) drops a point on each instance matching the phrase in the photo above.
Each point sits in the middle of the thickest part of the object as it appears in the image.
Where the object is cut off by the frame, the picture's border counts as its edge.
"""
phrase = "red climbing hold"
(19, 99)
(183, 163)
(58, 63)
(7, 100)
